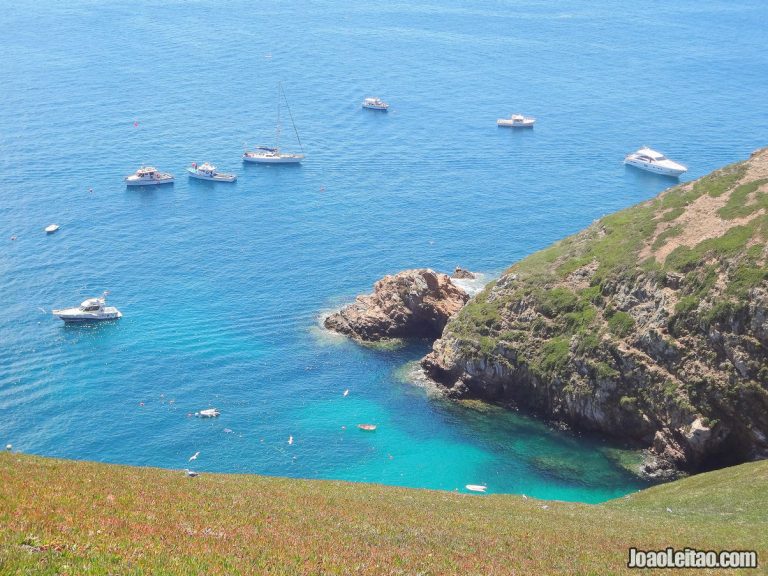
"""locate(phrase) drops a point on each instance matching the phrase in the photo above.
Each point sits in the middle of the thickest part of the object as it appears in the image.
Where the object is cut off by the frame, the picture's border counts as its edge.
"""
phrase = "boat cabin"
(91, 305)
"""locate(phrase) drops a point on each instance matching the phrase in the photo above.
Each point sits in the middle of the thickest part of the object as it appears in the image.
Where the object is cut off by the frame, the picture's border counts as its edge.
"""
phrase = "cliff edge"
(651, 325)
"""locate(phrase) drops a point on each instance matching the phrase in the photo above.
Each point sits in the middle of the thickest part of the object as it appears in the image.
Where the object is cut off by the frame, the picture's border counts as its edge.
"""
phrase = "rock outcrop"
(651, 326)
(462, 274)
(410, 304)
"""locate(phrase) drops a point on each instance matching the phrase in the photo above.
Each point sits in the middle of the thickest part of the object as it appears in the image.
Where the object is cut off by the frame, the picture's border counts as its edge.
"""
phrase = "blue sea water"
(223, 287)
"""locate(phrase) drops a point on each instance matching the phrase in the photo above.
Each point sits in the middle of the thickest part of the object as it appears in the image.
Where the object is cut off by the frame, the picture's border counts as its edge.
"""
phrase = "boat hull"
(281, 159)
(375, 107)
(157, 182)
(509, 124)
(655, 168)
(216, 178)
(77, 316)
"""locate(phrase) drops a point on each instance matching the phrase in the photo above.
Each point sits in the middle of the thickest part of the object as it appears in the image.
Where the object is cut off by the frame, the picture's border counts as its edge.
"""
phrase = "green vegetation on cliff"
(665, 302)
(64, 517)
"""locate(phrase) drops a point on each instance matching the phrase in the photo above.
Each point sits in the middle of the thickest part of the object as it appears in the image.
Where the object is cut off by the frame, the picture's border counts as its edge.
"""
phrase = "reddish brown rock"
(410, 304)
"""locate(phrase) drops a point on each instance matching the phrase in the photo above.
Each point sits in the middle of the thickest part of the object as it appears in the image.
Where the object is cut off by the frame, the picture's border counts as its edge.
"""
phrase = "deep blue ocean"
(223, 287)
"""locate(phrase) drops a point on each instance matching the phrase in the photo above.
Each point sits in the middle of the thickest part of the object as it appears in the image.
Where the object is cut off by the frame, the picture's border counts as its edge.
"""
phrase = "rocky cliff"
(650, 325)
(413, 303)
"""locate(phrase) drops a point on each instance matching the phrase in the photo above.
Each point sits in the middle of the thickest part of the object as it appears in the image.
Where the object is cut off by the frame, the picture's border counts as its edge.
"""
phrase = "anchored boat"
(206, 171)
(273, 154)
(148, 176)
(653, 161)
(375, 104)
(91, 310)
(516, 121)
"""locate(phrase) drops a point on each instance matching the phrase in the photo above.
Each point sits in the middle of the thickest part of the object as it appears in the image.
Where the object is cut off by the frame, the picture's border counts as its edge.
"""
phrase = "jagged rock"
(412, 303)
(462, 274)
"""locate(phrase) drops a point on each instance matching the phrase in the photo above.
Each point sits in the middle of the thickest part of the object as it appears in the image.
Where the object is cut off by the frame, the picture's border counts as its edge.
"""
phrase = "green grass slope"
(64, 517)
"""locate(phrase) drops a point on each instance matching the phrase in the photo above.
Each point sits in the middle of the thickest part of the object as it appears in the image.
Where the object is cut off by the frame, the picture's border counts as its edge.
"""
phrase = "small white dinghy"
(476, 488)
(516, 121)
(209, 413)
(51, 229)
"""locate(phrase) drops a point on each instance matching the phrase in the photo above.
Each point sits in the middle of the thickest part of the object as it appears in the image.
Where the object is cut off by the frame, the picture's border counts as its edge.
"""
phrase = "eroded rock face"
(410, 304)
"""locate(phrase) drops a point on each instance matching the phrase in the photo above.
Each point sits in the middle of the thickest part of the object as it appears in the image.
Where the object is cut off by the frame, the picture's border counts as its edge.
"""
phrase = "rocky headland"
(650, 326)
(410, 304)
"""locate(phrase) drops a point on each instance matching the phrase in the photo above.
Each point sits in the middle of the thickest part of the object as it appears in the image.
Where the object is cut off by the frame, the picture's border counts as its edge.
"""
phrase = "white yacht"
(207, 171)
(267, 155)
(516, 121)
(51, 228)
(654, 161)
(148, 176)
(90, 310)
(375, 104)
(273, 154)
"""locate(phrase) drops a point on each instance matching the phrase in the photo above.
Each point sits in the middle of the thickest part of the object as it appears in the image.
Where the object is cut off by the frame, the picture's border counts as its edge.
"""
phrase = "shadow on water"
(560, 455)
(546, 452)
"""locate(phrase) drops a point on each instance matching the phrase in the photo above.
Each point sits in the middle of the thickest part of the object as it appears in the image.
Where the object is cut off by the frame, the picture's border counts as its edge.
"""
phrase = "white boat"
(51, 229)
(273, 154)
(91, 310)
(375, 104)
(516, 121)
(148, 176)
(653, 161)
(209, 413)
(267, 155)
(207, 171)
(476, 487)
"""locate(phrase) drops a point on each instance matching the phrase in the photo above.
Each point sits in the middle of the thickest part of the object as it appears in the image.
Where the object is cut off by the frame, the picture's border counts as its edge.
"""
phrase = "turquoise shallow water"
(222, 286)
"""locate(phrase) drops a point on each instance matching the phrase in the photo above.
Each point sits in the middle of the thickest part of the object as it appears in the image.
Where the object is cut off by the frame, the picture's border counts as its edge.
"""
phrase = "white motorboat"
(51, 229)
(148, 176)
(273, 154)
(207, 171)
(375, 104)
(91, 310)
(208, 413)
(653, 161)
(516, 121)
(476, 487)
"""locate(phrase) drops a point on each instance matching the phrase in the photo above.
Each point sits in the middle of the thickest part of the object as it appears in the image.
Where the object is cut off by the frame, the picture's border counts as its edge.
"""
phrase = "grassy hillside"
(64, 517)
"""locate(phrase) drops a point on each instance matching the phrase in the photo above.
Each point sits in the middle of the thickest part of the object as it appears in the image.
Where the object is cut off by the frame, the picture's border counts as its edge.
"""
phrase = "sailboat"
(273, 155)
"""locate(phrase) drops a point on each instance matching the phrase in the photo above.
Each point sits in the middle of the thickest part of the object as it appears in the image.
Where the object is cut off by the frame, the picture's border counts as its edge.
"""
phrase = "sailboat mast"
(295, 130)
(277, 128)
